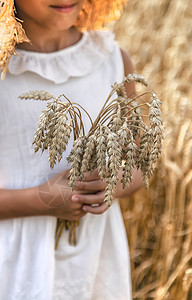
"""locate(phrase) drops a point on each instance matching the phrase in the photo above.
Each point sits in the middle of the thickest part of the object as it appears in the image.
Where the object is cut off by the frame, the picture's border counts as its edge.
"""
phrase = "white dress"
(30, 269)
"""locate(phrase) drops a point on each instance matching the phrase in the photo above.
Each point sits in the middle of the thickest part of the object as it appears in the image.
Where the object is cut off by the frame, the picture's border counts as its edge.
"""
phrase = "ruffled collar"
(78, 60)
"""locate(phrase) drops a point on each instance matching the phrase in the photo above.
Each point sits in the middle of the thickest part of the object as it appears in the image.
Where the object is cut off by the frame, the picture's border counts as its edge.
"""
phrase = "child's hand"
(56, 195)
(90, 193)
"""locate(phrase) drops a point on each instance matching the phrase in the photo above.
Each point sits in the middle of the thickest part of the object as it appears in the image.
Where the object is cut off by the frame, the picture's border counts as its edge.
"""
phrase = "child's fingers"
(94, 185)
(89, 199)
(93, 175)
(95, 210)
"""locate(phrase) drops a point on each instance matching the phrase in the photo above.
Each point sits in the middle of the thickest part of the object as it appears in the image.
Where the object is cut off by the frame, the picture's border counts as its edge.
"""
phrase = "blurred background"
(158, 35)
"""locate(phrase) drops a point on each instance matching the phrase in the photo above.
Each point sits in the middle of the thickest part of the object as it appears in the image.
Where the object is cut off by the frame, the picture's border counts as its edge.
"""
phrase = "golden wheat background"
(158, 35)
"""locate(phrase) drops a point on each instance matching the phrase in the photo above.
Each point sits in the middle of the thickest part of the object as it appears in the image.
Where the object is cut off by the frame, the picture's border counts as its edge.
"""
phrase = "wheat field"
(158, 35)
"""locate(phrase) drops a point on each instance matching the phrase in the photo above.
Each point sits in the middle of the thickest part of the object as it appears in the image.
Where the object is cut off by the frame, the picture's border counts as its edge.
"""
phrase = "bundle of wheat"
(158, 222)
(110, 140)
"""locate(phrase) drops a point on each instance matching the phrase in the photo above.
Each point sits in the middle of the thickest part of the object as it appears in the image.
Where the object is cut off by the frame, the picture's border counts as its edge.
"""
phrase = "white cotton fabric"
(30, 269)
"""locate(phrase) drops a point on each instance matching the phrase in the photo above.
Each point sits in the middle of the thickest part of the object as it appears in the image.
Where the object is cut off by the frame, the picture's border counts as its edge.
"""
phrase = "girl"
(60, 57)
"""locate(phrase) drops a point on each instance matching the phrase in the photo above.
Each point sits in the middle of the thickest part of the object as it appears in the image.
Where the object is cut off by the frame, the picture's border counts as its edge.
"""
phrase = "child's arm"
(53, 198)
(128, 68)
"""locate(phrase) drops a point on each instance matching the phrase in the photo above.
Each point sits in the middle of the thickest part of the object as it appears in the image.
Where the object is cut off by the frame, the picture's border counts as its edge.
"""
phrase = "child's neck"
(52, 41)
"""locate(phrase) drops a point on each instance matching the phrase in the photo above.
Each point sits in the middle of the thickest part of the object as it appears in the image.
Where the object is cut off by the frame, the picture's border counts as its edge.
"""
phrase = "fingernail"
(84, 208)
(75, 198)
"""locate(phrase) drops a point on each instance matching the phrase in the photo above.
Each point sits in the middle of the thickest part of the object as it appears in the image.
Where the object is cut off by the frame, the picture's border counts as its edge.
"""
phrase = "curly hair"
(97, 13)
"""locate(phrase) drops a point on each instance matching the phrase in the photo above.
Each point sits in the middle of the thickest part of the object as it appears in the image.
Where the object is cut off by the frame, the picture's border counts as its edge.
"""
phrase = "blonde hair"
(11, 34)
(97, 13)
(94, 15)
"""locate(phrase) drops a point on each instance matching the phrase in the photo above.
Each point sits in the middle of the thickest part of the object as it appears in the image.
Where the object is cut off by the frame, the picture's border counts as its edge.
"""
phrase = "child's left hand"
(90, 192)
(92, 202)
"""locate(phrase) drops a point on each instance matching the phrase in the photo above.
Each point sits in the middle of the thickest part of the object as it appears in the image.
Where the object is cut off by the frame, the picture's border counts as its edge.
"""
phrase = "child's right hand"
(53, 198)
(56, 195)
